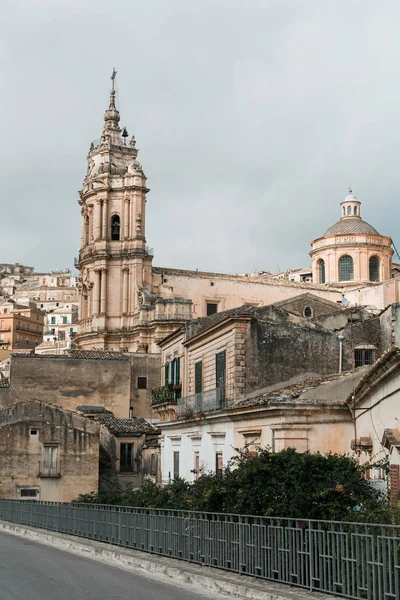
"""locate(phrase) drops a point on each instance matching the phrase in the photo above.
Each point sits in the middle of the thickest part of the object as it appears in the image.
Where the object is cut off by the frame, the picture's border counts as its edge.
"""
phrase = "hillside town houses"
(129, 370)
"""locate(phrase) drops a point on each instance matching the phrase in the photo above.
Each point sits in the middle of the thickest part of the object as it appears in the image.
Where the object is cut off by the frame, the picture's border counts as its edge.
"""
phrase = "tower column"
(126, 218)
(103, 296)
(83, 228)
(96, 292)
(125, 274)
(97, 220)
(131, 218)
(104, 219)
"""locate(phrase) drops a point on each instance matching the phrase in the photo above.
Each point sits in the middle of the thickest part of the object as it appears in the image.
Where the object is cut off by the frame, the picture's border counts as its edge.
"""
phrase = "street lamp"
(340, 337)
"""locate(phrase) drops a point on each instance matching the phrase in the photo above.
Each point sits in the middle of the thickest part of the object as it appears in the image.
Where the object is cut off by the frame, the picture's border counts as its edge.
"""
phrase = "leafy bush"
(284, 484)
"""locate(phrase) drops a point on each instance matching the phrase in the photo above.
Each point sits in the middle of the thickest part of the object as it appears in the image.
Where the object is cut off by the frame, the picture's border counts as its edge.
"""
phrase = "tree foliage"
(284, 484)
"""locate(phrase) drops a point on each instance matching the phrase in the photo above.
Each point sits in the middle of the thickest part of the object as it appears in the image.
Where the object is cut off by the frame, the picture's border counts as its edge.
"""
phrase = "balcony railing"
(204, 402)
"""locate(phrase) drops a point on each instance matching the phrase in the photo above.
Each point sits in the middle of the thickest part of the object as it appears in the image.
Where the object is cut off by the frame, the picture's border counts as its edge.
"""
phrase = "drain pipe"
(340, 337)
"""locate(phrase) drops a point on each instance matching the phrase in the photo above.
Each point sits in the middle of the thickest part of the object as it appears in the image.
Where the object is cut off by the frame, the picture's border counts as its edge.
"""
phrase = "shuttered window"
(198, 377)
(220, 376)
(175, 371)
(166, 374)
(50, 461)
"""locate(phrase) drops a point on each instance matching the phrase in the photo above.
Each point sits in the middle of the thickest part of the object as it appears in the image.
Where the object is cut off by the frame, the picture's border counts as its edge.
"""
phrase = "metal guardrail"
(352, 560)
(208, 401)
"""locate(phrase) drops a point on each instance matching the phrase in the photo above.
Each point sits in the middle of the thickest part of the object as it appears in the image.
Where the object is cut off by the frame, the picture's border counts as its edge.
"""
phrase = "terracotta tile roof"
(126, 427)
(88, 354)
(93, 410)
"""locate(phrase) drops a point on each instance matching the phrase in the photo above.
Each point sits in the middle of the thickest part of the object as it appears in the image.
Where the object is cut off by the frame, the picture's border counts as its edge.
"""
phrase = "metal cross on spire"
(113, 76)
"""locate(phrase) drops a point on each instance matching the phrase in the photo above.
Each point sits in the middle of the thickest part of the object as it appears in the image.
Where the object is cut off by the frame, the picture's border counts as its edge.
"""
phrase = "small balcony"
(165, 394)
(204, 402)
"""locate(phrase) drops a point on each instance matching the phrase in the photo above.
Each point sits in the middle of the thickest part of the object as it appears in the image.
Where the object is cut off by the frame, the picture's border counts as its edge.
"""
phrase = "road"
(33, 571)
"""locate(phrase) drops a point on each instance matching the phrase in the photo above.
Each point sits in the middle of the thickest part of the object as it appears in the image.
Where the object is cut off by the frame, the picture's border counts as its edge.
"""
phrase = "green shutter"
(198, 377)
(177, 371)
(166, 378)
(220, 374)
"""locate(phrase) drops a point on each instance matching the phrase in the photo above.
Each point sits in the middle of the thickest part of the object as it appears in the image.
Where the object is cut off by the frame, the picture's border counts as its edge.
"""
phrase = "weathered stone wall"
(70, 382)
(21, 451)
(280, 349)
(144, 365)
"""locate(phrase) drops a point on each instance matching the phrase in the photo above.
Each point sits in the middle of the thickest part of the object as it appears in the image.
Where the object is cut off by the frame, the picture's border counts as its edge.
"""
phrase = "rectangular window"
(220, 377)
(50, 461)
(142, 383)
(364, 356)
(53, 320)
(212, 308)
(176, 464)
(65, 320)
(218, 463)
(126, 458)
(198, 377)
(28, 492)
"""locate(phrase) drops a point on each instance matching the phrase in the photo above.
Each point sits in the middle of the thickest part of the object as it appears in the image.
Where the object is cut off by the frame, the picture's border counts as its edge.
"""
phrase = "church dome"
(351, 221)
(351, 226)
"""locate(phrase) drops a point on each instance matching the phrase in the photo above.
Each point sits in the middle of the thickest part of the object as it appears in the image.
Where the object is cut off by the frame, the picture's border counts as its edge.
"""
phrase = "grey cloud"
(252, 118)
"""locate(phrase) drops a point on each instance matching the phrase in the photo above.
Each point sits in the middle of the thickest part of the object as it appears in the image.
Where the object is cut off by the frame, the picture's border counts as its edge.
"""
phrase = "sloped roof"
(134, 427)
(313, 389)
(93, 410)
(78, 354)
(349, 225)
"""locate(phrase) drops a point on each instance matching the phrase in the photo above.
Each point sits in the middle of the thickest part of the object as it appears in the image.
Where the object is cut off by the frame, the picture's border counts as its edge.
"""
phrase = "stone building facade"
(47, 453)
(228, 357)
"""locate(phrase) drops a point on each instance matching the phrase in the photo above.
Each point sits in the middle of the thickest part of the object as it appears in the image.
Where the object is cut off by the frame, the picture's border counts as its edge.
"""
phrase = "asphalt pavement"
(34, 571)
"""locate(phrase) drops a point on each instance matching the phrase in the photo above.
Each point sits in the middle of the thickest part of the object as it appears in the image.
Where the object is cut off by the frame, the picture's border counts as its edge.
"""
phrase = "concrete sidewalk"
(170, 569)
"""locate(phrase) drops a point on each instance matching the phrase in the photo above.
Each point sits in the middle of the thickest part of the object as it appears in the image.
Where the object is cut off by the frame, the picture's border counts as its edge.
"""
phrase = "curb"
(241, 587)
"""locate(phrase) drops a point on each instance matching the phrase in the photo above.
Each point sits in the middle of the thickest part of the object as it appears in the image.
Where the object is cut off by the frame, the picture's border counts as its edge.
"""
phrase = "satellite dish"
(345, 302)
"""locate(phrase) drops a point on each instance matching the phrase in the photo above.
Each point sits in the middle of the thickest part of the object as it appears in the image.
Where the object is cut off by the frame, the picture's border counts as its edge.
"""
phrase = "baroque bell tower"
(114, 263)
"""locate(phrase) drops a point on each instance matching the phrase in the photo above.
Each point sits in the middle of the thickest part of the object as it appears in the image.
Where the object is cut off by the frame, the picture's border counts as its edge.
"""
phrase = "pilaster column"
(103, 296)
(83, 228)
(131, 290)
(131, 218)
(97, 220)
(125, 275)
(96, 292)
(104, 219)
(126, 218)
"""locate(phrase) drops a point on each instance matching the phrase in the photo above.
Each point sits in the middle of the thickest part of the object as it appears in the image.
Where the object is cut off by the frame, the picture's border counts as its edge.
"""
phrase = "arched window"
(355, 210)
(321, 271)
(346, 269)
(344, 211)
(349, 210)
(115, 227)
(374, 269)
(308, 312)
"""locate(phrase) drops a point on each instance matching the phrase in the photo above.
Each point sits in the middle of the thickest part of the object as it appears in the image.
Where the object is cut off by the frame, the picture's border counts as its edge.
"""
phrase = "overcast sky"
(252, 118)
